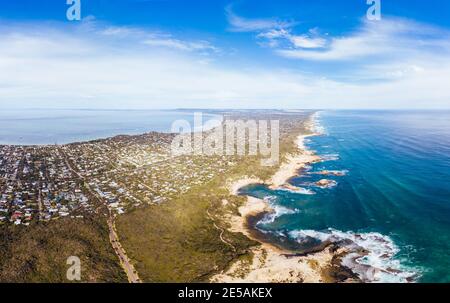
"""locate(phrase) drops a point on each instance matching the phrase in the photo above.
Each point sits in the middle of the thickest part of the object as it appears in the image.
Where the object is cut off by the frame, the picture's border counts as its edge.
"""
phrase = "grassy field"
(179, 241)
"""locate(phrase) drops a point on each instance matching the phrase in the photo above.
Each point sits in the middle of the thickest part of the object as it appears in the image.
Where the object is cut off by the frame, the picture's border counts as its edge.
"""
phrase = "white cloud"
(66, 68)
(122, 31)
(112, 68)
(168, 41)
(241, 24)
(278, 37)
(159, 39)
(304, 41)
(275, 33)
(387, 38)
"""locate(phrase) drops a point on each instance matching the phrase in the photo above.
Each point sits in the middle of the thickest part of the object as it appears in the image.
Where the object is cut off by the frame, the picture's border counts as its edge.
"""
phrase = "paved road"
(40, 203)
(113, 237)
(124, 260)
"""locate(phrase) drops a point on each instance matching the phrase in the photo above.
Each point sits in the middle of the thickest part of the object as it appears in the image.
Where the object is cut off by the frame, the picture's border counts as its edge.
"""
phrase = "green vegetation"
(182, 237)
(178, 242)
(39, 252)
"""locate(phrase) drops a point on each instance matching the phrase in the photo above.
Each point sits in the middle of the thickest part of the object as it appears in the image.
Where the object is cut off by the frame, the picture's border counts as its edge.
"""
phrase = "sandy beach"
(294, 163)
(238, 184)
(339, 257)
(297, 161)
(270, 263)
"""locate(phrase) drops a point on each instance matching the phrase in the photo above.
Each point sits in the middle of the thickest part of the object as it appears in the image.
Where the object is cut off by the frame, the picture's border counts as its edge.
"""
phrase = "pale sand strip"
(238, 184)
(293, 164)
(297, 161)
(269, 263)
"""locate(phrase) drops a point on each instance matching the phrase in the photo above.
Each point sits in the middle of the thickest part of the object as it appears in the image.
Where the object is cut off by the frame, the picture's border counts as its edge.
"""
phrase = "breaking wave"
(297, 190)
(318, 128)
(329, 172)
(277, 211)
(329, 157)
(371, 256)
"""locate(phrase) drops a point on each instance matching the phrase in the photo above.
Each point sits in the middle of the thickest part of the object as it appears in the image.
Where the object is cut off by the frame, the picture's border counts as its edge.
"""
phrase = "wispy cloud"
(160, 39)
(391, 50)
(168, 41)
(274, 32)
(241, 24)
(388, 39)
(115, 67)
(109, 67)
(284, 37)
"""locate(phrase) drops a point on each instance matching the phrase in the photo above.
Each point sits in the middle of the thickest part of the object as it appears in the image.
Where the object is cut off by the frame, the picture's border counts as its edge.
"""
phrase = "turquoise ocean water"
(391, 197)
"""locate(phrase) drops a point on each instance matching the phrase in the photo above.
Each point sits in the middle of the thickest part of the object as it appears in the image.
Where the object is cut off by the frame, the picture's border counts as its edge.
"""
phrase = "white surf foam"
(318, 128)
(278, 211)
(329, 157)
(330, 172)
(371, 257)
(298, 190)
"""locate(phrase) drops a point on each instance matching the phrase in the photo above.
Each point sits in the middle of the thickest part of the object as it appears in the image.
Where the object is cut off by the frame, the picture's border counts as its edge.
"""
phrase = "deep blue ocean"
(61, 126)
(392, 192)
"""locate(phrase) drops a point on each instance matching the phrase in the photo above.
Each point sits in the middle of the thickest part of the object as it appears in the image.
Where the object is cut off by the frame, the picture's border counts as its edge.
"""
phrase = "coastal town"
(35, 184)
(42, 183)
(47, 182)
(132, 182)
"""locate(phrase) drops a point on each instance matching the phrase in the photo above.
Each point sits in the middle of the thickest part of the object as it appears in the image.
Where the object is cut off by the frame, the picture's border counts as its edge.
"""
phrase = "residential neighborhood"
(41, 183)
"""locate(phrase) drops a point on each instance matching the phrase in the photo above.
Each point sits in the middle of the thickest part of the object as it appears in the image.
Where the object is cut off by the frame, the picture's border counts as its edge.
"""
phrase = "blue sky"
(225, 54)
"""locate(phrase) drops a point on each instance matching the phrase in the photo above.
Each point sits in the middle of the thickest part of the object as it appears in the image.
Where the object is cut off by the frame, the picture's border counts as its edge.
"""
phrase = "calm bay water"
(394, 199)
(66, 126)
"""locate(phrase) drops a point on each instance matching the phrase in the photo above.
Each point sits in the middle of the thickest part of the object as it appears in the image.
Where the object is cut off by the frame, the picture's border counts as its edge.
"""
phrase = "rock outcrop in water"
(325, 183)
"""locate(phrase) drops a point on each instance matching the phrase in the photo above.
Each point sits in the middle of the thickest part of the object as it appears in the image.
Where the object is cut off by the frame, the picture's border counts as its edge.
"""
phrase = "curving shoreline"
(271, 262)
(341, 256)
(294, 163)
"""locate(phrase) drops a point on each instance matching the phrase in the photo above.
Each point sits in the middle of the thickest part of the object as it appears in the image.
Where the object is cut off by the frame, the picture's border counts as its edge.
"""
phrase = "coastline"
(271, 262)
(234, 187)
(341, 256)
(287, 170)
(299, 160)
(294, 163)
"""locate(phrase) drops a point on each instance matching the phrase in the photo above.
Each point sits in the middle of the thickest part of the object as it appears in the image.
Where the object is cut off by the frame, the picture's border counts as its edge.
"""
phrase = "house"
(16, 215)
